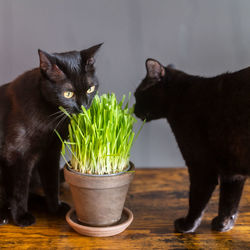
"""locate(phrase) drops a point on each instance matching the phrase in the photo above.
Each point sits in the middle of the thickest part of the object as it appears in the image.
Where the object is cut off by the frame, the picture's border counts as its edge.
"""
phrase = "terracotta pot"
(99, 200)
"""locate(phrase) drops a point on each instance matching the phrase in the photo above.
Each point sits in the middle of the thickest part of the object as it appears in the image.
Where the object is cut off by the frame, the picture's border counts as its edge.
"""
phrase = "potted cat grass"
(99, 172)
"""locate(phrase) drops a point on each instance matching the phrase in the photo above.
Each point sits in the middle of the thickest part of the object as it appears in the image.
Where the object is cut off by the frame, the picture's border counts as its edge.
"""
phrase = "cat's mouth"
(76, 110)
(143, 117)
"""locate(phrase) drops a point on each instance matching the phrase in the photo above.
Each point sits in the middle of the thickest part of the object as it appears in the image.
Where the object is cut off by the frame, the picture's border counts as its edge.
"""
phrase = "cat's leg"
(48, 168)
(20, 177)
(4, 215)
(4, 211)
(230, 194)
(201, 188)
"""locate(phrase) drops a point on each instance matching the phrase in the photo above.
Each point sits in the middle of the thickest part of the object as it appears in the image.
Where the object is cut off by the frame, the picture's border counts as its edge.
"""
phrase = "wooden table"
(157, 197)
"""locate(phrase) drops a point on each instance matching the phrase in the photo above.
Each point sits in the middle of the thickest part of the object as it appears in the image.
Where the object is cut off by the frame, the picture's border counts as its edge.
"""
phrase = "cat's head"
(151, 94)
(68, 79)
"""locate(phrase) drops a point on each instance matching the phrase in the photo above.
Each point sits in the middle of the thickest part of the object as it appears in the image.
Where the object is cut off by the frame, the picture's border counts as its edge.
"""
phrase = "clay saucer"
(120, 226)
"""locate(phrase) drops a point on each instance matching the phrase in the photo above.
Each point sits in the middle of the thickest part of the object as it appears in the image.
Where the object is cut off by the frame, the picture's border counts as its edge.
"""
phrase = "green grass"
(100, 138)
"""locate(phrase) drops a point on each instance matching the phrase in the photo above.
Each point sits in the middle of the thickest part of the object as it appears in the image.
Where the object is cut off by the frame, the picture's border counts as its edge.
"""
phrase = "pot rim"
(130, 166)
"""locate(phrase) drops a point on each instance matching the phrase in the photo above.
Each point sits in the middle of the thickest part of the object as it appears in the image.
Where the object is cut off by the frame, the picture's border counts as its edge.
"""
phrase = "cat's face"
(69, 78)
(150, 95)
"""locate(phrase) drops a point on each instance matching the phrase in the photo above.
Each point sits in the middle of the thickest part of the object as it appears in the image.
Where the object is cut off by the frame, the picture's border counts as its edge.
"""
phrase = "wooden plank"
(157, 197)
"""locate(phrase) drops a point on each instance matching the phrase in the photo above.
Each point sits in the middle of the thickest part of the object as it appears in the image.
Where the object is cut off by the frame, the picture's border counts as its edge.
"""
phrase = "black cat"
(28, 116)
(210, 118)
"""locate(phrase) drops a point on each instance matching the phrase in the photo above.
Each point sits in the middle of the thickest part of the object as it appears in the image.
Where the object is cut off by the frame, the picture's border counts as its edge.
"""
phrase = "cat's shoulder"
(27, 81)
(28, 76)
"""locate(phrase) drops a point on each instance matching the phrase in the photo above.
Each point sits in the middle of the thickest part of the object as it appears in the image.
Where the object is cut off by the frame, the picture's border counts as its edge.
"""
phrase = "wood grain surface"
(157, 197)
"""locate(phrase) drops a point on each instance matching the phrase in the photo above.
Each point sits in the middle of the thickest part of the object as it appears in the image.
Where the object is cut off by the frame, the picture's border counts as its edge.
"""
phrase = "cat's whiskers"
(55, 119)
(62, 118)
(61, 121)
(56, 113)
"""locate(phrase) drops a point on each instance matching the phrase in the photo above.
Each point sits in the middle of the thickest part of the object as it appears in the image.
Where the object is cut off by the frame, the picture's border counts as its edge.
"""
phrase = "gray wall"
(198, 36)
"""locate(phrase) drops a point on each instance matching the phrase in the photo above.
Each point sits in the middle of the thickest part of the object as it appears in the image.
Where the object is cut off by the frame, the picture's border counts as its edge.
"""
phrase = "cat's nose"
(77, 109)
(142, 117)
(83, 103)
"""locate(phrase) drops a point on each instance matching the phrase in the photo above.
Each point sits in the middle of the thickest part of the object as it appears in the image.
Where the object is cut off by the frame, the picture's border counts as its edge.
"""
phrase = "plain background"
(198, 36)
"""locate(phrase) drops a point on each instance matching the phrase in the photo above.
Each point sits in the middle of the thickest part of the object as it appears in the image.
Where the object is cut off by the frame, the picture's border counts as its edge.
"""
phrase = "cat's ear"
(88, 56)
(49, 67)
(154, 69)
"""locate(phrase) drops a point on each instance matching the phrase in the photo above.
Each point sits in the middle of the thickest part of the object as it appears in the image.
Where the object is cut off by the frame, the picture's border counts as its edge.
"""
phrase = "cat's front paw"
(223, 224)
(25, 219)
(183, 226)
(4, 220)
(4, 216)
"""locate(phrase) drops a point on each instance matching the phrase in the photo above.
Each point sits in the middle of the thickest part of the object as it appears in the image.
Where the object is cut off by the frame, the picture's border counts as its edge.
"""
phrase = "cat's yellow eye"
(91, 90)
(68, 94)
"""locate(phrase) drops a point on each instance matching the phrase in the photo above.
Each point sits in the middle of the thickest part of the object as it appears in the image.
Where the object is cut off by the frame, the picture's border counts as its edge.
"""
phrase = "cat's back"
(17, 90)
(232, 93)
(235, 84)
(241, 75)
(227, 94)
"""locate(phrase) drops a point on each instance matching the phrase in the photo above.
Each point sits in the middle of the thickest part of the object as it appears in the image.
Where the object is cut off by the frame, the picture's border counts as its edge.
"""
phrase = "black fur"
(28, 116)
(210, 118)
